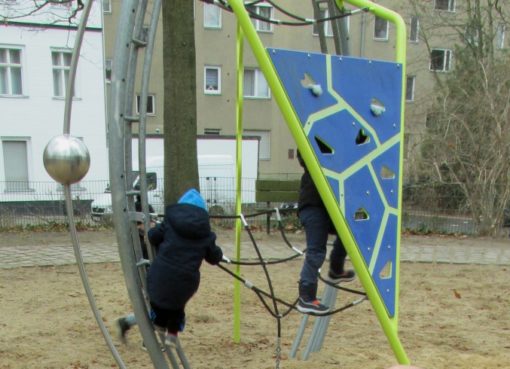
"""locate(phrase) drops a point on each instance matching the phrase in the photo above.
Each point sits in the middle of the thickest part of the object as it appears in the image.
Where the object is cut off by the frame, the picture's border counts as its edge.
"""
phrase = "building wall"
(37, 115)
(216, 47)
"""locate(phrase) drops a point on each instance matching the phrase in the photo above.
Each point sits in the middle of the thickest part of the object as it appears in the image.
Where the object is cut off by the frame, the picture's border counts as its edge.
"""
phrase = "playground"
(451, 316)
(434, 314)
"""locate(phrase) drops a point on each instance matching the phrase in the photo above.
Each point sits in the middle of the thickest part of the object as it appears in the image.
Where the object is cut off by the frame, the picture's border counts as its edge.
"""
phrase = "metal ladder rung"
(138, 43)
(132, 118)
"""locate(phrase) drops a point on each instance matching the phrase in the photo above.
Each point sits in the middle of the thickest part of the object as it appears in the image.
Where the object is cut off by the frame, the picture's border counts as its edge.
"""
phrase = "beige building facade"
(369, 37)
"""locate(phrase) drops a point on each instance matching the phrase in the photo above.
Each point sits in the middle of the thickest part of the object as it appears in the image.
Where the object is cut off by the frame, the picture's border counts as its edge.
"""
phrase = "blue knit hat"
(193, 197)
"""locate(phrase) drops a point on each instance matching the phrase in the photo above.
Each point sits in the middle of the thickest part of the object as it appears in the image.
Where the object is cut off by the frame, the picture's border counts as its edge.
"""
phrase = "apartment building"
(430, 55)
(35, 58)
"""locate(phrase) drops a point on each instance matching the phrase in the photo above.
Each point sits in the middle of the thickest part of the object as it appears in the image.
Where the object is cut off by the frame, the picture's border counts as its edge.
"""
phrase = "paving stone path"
(413, 249)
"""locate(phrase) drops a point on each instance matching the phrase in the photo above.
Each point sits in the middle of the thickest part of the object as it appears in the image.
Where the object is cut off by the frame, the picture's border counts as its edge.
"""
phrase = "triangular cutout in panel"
(387, 271)
(387, 173)
(361, 214)
(323, 146)
(362, 138)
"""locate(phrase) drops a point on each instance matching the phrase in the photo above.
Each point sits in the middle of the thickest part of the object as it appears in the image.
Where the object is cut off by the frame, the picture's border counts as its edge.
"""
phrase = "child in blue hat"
(183, 240)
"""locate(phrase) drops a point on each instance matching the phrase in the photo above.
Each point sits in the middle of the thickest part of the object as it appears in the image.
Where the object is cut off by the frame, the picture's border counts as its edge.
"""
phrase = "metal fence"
(41, 204)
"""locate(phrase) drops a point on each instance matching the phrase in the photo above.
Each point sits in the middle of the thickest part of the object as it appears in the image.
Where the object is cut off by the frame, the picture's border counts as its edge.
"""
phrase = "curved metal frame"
(67, 187)
(121, 175)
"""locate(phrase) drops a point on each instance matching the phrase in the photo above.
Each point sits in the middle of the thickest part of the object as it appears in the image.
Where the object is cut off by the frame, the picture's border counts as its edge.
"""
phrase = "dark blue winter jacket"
(183, 240)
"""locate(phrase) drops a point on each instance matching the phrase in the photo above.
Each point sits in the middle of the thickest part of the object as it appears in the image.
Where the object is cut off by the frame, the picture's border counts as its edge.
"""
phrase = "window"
(67, 4)
(212, 80)
(61, 61)
(472, 35)
(15, 165)
(264, 143)
(255, 85)
(415, 29)
(264, 11)
(440, 60)
(11, 83)
(108, 70)
(381, 27)
(107, 6)
(328, 32)
(151, 104)
(410, 81)
(212, 16)
(448, 5)
(500, 36)
(212, 131)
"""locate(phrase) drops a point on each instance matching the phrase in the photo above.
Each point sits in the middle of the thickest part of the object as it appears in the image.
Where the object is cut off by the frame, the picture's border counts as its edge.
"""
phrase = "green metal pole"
(239, 167)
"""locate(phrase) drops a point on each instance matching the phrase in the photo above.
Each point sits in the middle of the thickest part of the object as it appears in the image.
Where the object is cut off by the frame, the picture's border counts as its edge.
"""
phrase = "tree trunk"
(180, 116)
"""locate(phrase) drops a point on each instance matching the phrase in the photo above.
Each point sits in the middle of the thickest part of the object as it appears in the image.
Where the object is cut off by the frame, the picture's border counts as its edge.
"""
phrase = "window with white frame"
(500, 35)
(108, 63)
(61, 64)
(440, 60)
(212, 80)
(410, 84)
(66, 4)
(107, 6)
(448, 5)
(151, 104)
(11, 82)
(326, 26)
(15, 165)
(414, 29)
(212, 16)
(472, 35)
(264, 142)
(255, 84)
(381, 29)
(264, 11)
(328, 30)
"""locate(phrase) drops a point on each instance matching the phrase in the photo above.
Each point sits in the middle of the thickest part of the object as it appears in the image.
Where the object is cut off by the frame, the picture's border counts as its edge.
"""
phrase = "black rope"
(286, 240)
(291, 306)
(286, 12)
(265, 262)
(260, 293)
(233, 216)
(301, 20)
(339, 287)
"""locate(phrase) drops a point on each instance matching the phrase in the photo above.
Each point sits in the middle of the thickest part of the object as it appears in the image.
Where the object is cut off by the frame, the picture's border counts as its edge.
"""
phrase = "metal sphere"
(66, 159)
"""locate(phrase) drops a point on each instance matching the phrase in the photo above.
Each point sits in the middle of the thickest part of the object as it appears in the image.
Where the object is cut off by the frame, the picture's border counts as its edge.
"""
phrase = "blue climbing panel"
(350, 110)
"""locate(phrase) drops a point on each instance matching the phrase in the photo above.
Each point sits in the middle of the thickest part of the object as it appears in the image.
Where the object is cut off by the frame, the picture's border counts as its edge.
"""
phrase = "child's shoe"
(312, 307)
(171, 340)
(144, 348)
(122, 328)
(346, 276)
(160, 330)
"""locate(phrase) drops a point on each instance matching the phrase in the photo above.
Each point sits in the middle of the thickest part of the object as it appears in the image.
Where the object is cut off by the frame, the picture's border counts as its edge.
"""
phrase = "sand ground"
(451, 317)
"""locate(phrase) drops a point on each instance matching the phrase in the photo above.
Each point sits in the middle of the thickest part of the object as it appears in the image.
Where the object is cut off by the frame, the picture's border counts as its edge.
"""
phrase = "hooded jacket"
(308, 194)
(184, 239)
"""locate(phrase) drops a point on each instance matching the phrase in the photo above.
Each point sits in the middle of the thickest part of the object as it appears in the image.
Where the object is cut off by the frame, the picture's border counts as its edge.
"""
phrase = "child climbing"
(184, 239)
(317, 223)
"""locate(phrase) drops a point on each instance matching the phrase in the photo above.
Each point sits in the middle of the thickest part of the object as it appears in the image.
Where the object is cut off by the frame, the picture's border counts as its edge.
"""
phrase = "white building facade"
(35, 57)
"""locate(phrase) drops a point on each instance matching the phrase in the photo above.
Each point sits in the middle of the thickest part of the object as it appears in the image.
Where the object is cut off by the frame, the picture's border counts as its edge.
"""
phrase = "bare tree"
(467, 139)
(11, 12)
(180, 117)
